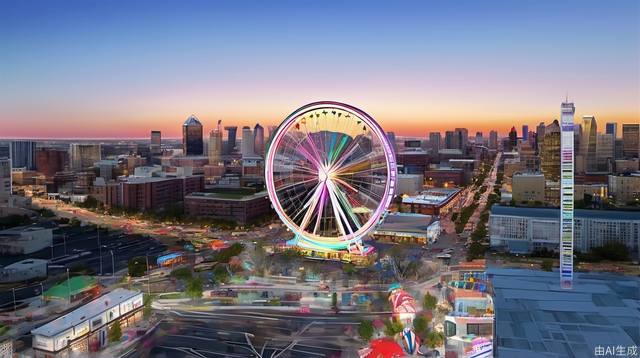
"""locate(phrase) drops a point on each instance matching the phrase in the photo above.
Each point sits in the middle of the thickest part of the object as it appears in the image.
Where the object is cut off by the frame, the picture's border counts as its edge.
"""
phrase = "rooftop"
(406, 222)
(85, 312)
(433, 196)
(229, 196)
(192, 120)
(537, 318)
(553, 213)
(21, 229)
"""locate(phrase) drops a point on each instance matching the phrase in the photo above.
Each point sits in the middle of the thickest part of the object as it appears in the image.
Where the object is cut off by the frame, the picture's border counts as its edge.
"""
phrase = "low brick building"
(239, 208)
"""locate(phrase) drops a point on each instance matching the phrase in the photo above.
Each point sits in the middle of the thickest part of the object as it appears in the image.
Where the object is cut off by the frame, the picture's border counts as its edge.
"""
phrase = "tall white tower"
(567, 111)
(247, 142)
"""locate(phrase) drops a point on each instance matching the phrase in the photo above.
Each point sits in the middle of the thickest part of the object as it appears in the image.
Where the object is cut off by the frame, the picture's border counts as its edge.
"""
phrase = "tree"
(334, 300)
(365, 330)
(392, 327)
(547, 265)
(137, 266)
(421, 325)
(74, 222)
(614, 251)
(225, 255)
(429, 302)
(434, 339)
(194, 288)
(115, 331)
(403, 261)
(220, 274)
(182, 273)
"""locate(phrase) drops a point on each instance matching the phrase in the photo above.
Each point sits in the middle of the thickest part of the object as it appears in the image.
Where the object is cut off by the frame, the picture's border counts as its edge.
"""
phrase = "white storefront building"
(92, 317)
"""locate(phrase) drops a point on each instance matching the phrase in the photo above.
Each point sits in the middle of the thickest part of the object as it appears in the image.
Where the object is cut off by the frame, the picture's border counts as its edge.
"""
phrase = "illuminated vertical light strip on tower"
(566, 195)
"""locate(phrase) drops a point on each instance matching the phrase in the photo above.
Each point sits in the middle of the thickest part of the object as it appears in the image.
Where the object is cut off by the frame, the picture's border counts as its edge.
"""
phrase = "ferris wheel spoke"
(294, 184)
(310, 205)
(323, 197)
(337, 209)
(348, 208)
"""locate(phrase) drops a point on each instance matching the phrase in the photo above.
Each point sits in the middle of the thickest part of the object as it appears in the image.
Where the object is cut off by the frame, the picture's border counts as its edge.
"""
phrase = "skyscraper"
(461, 139)
(513, 139)
(215, 145)
(156, 143)
(5, 180)
(588, 143)
(23, 154)
(550, 152)
(192, 136)
(631, 140)
(605, 152)
(247, 142)
(83, 155)
(612, 128)
(392, 139)
(449, 141)
(567, 111)
(231, 139)
(525, 132)
(258, 140)
(434, 142)
(49, 161)
(493, 140)
(479, 140)
(539, 135)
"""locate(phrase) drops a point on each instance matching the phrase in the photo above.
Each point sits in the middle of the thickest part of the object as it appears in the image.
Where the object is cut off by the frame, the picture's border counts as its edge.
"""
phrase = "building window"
(449, 329)
(480, 329)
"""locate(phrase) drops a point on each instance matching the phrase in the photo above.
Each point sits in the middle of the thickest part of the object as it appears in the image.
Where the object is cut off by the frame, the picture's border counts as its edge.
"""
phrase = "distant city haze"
(76, 69)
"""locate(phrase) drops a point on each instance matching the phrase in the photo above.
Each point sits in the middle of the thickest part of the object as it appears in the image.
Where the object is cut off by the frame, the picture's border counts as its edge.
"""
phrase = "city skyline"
(130, 69)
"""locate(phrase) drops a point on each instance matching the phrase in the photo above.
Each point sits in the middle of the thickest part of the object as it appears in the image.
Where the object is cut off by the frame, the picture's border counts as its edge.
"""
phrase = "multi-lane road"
(242, 333)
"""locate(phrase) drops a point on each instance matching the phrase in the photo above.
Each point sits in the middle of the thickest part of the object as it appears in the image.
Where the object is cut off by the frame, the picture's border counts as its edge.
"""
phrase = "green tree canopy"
(429, 302)
(137, 266)
(365, 330)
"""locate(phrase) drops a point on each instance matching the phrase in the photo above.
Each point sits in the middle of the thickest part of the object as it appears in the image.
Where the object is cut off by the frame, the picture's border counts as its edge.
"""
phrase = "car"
(444, 256)
(447, 251)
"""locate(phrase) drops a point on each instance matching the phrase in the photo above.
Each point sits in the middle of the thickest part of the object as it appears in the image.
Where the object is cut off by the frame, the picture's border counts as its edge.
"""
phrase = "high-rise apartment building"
(550, 152)
(392, 139)
(513, 139)
(435, 142)
(567, 157)
(192, 143)
(247, 142)
(525, 132)
(612, 128)
(156, 143)
(215, 145)
(5, 180)
(49, 161)
(588, 139)
(449, 141)
(231, 139)
(605, 152)
(479, 140)
(539, 135)
(631, 140)
(461, 139)
(493, 140)
(258, 140)
(23, 154)
(84, 155)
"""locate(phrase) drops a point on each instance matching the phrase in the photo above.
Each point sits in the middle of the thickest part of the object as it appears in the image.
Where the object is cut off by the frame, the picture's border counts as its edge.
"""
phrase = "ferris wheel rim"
(389, 161)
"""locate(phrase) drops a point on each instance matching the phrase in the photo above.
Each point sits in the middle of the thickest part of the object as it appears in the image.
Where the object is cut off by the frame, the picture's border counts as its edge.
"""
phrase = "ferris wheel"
(330, 174)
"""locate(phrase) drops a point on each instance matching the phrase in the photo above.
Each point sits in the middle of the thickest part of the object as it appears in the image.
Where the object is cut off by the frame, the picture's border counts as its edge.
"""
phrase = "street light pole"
(148, 276)
(68, 287)
(41, 293)
(113, 265)
(99, 249)
(14, 300)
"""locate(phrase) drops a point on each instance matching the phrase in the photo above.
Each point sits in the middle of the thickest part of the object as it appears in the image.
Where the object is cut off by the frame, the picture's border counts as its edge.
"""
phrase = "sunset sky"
(109, 69)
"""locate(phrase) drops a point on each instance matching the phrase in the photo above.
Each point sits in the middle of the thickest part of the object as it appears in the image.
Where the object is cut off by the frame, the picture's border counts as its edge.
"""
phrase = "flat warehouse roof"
(81, 314)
